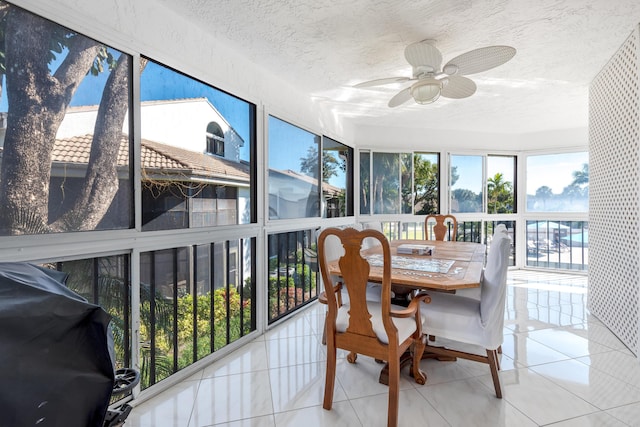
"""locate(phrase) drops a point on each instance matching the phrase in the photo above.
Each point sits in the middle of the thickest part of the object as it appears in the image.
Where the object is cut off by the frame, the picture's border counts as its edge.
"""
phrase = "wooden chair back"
(445, 225)
(376, 329)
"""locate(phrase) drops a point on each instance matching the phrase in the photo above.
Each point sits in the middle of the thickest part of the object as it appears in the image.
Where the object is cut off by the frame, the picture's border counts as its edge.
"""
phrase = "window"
(558, 182)
(105, 281)
(337, 178)
(294, 169)
(50, 182)
(426, 183)
(365, 182)
(501, 184)
(215, 139)
(399, 183)
(293, 267)
(182, 186)
(466, 183)
(194, 300)
(386, 183)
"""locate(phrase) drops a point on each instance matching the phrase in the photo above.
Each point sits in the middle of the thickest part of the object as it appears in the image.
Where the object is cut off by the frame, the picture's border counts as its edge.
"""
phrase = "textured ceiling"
(324, 47)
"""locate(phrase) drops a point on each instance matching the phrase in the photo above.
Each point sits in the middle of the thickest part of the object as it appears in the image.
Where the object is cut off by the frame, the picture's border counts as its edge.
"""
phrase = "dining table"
(440, 266)
(449, 267)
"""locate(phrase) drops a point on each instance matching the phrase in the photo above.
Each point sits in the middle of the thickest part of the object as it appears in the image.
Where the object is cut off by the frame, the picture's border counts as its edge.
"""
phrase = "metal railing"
(293, 272)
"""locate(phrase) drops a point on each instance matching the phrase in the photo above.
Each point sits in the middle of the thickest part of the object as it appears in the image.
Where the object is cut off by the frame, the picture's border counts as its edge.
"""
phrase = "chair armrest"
(413, 307)
(322, 298)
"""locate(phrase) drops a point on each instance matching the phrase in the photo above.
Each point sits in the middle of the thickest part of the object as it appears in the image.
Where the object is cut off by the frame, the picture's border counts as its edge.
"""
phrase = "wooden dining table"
(451, 266)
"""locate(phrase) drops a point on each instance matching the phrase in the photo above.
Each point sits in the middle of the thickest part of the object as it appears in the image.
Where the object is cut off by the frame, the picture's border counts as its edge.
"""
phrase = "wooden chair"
(380, 330)
(441, 228)
(471, 321)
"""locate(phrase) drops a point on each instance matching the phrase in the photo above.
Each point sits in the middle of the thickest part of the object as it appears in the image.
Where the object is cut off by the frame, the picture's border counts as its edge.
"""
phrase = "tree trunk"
(37, 105)
(101, 182)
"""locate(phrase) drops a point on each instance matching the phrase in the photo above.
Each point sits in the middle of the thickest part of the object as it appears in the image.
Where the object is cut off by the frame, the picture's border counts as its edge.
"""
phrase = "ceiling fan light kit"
(426, 91)
(432, 81)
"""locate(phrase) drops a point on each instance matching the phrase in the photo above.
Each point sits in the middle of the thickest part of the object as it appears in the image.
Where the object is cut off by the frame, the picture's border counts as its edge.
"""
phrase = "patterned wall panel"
(614, 193)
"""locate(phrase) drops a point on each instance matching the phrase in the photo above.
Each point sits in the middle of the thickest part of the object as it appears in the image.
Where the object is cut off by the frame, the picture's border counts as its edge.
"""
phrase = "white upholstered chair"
(454, 318)
(475, 292)
(377, 329)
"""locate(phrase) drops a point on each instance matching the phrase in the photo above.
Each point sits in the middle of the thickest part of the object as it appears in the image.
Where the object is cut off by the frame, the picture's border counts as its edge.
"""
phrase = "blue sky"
(158, 83)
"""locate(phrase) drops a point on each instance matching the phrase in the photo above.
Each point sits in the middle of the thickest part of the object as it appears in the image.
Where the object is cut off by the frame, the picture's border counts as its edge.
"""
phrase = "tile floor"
(560, 367)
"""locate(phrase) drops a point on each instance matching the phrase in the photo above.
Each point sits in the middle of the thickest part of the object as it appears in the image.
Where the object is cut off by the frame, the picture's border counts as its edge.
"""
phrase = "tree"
(425, 181)
(544, 193)
(581, 180)
(330, 164)
(499, 194)
(386, 185)
(468, 201)
(38, 100)
(581, 177)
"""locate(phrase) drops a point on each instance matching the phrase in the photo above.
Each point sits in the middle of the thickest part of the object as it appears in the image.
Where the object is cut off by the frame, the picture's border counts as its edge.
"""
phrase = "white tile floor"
(560, 367)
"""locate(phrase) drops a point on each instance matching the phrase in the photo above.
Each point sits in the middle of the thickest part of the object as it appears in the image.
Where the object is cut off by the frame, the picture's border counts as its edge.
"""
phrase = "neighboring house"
(192, 174)
(295, 195)
(193, 124)
(180, 188)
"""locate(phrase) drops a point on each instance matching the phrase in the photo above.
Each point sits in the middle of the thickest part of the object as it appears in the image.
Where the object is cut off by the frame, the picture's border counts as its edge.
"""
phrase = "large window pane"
(406, 179)
(293, 268)
(426, 183)
(65, 158)
(558, 244)
(386, 183)
(558, 183)
(466, 184)
(197, 144)
(105, 281)
(501, 184)
(294, 170)
(365, 182)
(337, 178)
(194, 300)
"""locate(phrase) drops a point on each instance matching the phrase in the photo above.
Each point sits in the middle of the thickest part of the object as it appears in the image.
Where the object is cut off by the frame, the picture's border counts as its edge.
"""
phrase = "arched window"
(215, 139)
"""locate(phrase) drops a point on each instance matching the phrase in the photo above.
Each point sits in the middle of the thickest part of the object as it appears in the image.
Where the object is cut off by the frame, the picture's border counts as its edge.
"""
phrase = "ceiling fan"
(431, 81)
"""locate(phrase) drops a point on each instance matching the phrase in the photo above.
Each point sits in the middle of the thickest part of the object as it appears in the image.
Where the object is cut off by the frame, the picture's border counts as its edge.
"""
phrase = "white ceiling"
(324, 47)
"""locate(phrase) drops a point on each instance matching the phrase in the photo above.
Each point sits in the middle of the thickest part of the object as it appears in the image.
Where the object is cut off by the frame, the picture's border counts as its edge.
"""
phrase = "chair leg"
(493, 364)
(418, 350)
(324, 333)
(330, 375)
(495, 353)
(394, 392)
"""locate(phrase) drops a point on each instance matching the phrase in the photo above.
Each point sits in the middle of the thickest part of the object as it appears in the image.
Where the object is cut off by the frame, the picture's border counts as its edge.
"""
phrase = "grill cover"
(55, 362)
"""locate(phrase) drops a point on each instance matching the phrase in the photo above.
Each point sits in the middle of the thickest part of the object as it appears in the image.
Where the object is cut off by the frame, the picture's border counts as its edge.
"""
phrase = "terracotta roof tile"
(155, 157)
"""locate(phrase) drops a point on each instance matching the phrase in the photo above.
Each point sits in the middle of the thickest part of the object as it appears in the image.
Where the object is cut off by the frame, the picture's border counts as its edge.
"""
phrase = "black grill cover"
(55, 363)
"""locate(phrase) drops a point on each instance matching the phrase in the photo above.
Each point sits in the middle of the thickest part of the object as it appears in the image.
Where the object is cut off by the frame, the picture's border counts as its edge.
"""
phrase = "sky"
(553, 170)
(157, 83)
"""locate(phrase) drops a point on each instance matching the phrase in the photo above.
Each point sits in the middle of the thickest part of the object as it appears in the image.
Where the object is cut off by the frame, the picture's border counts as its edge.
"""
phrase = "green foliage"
(499, 194)
(226, 307)
(425, 181)
(468, 201)
(288, 293)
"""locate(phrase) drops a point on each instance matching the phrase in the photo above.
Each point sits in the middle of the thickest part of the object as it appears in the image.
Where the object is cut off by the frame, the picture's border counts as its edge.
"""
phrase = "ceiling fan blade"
(422, 54)
(400, 97)
(478, 60)
(458, 87)
(381, 82)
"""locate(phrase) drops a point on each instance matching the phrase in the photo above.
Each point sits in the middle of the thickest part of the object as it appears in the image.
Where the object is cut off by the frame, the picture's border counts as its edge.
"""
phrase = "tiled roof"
(155, 157)
(326, 187)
